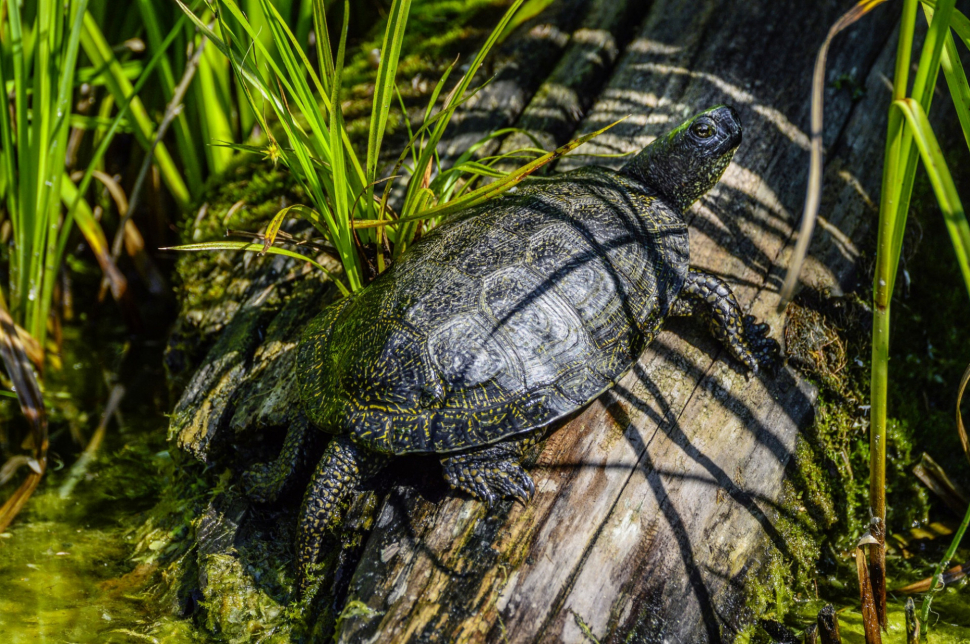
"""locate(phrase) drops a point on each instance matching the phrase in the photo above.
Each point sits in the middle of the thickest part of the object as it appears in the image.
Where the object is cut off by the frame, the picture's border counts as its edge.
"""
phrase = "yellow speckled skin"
(506, 318)
(340, 470)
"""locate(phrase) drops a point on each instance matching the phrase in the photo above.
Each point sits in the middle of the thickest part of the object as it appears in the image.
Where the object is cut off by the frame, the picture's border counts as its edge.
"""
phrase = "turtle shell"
(500, 321)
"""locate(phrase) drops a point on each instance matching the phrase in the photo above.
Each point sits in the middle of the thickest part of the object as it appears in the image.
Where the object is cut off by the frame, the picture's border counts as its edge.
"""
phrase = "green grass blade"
(493, 189)
(511, 179)
(41, 105)
(67, 55)
(214, 104)
(266, 56)
(409, 149)
(445, 183)
(956, 80)
(959, 23)
(929, 63)
(100, 53)
(303, 95)
(304, 21)
(8, 157)
(299, 67)
(26, 197)
(404, 110)
(924, 83)
(20, 111)
(455, 98)
(253, 77)
(341, 200)
(210, 87)
(282, 34)
(433, 100)
(385, 86)
(95, 75)
(298, 158)
(257, 248)
(891, 219)
(78, 202)
(184, 139)
(273, 228)
(942, 182)
(317, 186)
(889, 202)
(324, 52)
(478, 169)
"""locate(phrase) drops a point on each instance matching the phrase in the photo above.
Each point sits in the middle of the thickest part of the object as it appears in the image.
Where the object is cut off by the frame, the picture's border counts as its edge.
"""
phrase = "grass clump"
(308, 135)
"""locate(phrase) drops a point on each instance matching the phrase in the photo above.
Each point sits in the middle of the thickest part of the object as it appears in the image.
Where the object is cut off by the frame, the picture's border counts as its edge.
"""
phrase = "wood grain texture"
(658, 502)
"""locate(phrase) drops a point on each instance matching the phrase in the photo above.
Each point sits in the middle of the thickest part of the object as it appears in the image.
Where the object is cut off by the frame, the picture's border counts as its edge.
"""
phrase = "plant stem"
(890, 216)
(924, 612)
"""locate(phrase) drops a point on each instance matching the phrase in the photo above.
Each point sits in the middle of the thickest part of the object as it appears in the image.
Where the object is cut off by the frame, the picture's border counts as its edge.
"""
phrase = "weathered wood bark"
(657, 503)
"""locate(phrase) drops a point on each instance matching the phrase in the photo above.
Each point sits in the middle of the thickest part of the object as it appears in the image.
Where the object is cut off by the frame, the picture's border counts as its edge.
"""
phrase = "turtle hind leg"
(491, 473)
(265, 482)
(339, 472)
(710, 297)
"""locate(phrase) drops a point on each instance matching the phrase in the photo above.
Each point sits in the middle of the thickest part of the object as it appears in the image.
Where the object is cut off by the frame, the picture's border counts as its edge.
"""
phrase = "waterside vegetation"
(909, 140)
(214, 83)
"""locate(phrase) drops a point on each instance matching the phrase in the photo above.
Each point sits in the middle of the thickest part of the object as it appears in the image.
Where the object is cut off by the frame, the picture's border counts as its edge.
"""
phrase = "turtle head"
(686, 162)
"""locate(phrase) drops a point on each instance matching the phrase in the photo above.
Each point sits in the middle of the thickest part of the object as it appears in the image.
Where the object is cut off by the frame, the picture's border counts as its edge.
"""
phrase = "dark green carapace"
(506, 318)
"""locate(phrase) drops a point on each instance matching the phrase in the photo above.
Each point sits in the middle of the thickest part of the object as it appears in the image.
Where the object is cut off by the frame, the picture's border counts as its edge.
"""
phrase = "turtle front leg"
(341, 469)
(493, 472)
(710, 297)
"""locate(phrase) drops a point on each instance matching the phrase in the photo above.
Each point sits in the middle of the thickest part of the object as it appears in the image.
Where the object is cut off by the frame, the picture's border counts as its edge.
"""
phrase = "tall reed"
(909, 140)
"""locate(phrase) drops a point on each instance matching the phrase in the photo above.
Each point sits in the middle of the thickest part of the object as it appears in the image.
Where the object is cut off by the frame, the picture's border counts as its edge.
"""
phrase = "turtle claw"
(525, 490)
(487, 497)
(523, 496)
(519, 492)
(487, 478)
(763, 351)
(513, 481)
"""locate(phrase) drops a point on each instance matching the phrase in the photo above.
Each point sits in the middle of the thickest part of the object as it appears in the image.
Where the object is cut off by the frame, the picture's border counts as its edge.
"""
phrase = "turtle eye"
(702, 130)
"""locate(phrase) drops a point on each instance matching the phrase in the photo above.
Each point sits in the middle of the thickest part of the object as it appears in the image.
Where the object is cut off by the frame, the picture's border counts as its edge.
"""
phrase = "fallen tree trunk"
(658, 503)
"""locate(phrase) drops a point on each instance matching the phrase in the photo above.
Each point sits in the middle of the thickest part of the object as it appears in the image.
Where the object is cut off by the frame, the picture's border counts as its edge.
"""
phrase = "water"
(63, 578)
(66, 568)
(948, 620)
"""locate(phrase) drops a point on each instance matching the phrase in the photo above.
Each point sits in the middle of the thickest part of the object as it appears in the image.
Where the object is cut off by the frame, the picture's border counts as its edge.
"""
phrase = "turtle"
(505, 318)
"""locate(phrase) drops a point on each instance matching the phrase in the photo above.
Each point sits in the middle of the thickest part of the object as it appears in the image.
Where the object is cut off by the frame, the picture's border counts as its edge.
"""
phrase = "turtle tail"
(341, 469)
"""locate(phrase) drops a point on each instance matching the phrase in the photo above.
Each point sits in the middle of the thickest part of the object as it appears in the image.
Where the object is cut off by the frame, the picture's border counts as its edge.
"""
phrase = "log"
(659, 502)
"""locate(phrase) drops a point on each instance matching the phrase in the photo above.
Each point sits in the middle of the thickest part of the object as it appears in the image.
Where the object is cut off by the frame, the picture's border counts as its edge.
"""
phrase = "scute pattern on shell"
(500, 321)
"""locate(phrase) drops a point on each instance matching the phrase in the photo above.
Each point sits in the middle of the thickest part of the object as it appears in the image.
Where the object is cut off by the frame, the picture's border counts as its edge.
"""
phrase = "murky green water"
(63, 574)
(949, 607)
(66, 567)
